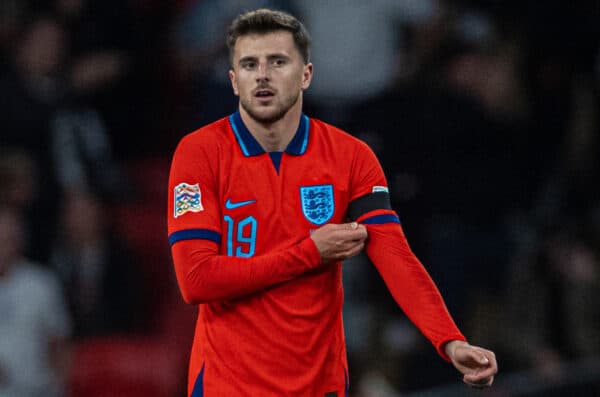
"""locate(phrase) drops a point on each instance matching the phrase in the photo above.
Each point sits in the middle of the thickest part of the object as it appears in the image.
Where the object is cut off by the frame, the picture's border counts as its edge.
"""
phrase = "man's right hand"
(337, 242)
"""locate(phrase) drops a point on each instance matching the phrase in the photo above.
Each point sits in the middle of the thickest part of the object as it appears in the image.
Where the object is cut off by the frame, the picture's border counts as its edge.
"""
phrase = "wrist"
(312, 252)
(451, 347)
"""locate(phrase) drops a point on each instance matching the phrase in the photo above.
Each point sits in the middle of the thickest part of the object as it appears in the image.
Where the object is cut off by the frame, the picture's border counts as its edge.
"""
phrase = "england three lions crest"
(317, 203)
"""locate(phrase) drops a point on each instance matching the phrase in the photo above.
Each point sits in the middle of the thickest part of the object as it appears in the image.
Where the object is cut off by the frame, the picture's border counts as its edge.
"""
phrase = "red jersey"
(270, 314)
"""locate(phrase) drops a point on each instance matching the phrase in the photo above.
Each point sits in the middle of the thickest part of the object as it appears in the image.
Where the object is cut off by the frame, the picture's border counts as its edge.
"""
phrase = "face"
(269, 75)
(43, 48)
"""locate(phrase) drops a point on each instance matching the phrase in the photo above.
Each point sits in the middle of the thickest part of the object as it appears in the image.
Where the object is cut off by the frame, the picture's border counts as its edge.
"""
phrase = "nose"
(262, 72)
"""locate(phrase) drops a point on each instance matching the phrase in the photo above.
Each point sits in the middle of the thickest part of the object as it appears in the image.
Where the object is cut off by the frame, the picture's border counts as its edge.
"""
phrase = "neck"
(275, 136)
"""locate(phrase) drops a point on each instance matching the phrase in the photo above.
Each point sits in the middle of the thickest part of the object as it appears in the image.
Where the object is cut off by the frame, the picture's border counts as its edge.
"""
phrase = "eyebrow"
(246, 59)
(269, 57)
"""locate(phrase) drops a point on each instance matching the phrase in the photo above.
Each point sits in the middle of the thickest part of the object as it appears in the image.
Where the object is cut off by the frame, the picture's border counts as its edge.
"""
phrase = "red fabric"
(205, 276)
(270, 324)
(410, 285)
(286, 334)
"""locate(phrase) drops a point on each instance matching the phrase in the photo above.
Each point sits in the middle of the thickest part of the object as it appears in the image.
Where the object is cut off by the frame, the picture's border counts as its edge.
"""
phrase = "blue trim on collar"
(299, 142)
(250, 146)
(276, 159)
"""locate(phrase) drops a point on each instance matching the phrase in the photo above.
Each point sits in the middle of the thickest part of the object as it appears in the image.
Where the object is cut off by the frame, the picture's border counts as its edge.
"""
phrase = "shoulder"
(323, 129)
(208, 142)
(36, 280)
(26, 269)
(210, 134)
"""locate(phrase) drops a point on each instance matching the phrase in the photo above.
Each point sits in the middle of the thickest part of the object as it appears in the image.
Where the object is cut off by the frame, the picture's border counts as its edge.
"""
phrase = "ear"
(307, 74)
(233, 79)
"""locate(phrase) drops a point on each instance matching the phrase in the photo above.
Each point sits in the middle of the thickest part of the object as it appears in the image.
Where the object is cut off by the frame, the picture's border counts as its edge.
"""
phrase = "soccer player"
(263, 206)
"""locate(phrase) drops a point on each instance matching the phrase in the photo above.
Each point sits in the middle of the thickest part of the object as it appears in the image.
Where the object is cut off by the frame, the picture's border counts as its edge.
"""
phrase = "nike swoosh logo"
(230, 205)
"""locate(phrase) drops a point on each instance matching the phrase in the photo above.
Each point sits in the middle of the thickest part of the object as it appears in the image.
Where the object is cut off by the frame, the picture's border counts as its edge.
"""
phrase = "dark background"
(487, 129)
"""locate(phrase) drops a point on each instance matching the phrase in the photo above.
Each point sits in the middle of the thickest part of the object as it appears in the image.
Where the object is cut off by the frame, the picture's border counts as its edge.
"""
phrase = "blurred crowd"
(485, 116)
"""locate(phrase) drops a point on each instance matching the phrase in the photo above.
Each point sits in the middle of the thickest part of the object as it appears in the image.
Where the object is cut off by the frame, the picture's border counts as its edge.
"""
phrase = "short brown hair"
(266, 21)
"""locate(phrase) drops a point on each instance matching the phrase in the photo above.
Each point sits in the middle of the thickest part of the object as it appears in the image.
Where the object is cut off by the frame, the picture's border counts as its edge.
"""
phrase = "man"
(263, 207)
(35, 326)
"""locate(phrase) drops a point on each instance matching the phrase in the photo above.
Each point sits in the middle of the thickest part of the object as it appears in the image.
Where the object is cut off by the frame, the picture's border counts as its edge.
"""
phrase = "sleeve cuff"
(311, 252)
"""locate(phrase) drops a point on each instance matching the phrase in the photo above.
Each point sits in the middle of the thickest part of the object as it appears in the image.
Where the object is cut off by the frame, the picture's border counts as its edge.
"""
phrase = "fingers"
(339, 241)
(352, 231)
(492, 359)
(344, 232)
(480, 379)
(480, 384)
(355, 250)
(487, 359)
(483, 377)
(348, 248)
(476, 357)
(478, 365)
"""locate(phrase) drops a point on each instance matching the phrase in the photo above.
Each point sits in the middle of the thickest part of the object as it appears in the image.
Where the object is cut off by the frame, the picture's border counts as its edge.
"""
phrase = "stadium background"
(483, 113)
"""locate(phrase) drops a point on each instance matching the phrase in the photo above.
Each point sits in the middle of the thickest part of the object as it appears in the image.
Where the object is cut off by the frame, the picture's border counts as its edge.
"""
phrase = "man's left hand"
(478, 365)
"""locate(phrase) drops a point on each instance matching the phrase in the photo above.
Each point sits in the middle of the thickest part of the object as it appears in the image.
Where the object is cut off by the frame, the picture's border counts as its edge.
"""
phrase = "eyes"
(273, 62)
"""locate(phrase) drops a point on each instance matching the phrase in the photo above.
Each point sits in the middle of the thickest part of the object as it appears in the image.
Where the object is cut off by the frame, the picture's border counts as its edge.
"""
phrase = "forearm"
(204, 275)
(411, 286)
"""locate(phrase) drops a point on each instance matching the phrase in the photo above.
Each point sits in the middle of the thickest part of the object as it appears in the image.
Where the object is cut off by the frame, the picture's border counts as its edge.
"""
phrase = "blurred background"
(484, 115)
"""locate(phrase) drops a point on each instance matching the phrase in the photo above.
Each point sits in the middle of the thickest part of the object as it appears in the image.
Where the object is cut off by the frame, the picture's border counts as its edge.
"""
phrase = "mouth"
(264, 93)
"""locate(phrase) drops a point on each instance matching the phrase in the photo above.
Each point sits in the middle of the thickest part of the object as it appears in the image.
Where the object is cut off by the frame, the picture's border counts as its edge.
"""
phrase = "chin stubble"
(272, 118)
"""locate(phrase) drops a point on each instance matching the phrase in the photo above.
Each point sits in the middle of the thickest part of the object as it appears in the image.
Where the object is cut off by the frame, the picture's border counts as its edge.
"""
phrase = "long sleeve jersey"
(239, 224)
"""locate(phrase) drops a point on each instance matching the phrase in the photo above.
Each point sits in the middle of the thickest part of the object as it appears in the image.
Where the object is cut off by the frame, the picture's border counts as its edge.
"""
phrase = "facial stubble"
(279, 113)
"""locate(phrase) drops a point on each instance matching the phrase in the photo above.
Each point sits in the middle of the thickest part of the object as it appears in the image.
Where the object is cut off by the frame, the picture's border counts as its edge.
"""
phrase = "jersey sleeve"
(407, 280)
(193, 207)
(194, 218)
(204, 276)
(410, 285)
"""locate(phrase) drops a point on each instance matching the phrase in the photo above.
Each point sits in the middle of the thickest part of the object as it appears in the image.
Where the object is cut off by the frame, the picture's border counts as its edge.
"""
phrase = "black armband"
(369, 202)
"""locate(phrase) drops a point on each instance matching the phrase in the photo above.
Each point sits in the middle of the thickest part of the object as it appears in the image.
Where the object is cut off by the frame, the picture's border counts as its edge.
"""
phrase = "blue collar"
(250, 147)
